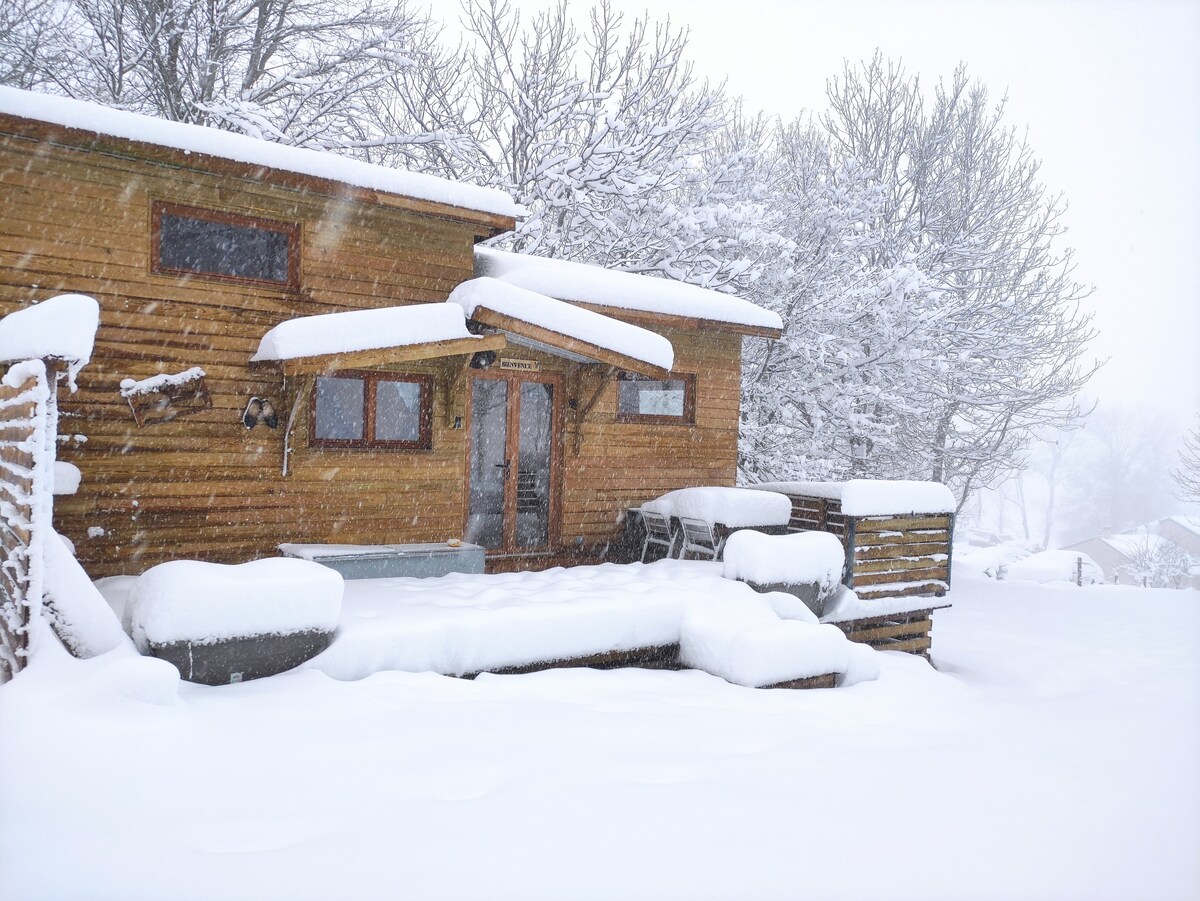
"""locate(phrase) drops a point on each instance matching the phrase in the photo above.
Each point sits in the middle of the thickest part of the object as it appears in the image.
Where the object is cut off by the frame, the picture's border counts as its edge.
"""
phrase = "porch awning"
(360, 339)
(563, 329)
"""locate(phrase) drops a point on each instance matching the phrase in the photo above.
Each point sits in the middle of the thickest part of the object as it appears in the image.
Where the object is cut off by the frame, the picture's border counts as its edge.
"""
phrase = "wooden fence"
(26, 455)
(886, 556)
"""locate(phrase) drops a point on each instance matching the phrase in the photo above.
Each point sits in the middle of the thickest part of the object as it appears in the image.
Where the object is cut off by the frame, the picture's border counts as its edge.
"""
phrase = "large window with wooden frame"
(372, 410)
(225, 246)
(641, 399)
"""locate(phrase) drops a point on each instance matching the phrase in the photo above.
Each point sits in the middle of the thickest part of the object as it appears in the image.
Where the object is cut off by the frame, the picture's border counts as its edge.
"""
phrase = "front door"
(512, 461)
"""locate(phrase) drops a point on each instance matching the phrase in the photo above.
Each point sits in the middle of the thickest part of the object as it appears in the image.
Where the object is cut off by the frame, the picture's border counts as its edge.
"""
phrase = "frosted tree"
(962, 204)
(1187, 476)
(596, 131)
(1156, 564)
(296, 71)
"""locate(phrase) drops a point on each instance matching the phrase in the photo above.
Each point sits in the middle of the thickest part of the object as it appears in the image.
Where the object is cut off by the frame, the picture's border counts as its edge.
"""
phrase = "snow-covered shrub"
(1156, 563)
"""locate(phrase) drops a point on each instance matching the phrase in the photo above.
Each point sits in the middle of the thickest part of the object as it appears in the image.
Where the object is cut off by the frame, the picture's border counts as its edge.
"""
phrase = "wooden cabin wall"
(624, 464)
(204, 486)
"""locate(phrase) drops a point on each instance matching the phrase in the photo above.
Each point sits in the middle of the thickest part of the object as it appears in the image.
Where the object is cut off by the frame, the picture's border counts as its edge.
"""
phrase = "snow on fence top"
(63, 327)
(733, 507)
(583, 283)
(565, 319)
(355, 330)
(244, 149)
(874, 497)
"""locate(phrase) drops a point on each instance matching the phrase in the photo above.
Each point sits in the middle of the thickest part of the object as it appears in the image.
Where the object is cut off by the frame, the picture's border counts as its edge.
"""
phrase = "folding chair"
(658, 531)
(698, 538)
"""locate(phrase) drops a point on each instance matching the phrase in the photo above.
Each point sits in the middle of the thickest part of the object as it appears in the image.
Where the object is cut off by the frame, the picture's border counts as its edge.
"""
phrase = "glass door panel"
(488, 470)
(535, 440)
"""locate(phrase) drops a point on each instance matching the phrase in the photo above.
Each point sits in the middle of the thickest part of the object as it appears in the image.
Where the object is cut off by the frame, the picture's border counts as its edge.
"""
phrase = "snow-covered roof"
(874, 497)
(1132, 544)
(582, 326)
(103, 120)
(63, 327)
(357, 330)
(584, 283)
(1191, 523)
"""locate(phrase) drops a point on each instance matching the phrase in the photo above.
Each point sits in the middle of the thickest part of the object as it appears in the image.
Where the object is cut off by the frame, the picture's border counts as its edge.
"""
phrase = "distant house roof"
(102, 120)
(1131, 544)
(1190, 523)
(609, 288)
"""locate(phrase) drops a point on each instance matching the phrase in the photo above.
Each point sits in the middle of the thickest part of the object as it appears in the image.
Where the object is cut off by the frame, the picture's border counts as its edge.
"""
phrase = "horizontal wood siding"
(204, 486)
(624, 464)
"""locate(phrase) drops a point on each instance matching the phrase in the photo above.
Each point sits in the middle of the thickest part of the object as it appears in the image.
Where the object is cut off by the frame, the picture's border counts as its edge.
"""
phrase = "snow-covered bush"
(1156, 563)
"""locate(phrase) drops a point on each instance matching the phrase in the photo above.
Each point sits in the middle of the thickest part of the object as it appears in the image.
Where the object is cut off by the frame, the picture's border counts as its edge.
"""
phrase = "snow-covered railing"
(26, 480)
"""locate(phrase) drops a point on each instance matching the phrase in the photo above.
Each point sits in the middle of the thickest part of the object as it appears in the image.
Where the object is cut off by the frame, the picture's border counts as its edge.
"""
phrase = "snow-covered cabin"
(298, 347)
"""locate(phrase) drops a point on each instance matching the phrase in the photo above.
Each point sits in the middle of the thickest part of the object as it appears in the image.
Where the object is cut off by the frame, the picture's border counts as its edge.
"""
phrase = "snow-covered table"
(724, 509)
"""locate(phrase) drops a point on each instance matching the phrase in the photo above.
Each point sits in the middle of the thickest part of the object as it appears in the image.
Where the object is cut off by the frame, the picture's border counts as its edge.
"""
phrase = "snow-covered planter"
(807, 565)
(219, 624)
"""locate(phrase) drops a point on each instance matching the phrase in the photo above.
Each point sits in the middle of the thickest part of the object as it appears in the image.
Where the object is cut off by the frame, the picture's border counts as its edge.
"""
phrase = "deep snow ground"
(1056, 755)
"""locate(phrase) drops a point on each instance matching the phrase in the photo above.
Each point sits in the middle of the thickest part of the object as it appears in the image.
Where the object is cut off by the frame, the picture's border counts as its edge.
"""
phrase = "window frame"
(371, 378)
(688, 417)
(159, 208)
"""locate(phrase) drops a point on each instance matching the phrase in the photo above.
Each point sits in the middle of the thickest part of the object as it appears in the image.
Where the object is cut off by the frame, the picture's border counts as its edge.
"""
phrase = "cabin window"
(192, 241)
(372, 409)
(640, 399)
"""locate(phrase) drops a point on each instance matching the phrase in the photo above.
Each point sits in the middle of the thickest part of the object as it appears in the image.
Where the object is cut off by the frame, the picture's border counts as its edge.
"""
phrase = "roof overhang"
(576, 349)
(563, 329)
(323, 364)
(370, 338)
(671, 320)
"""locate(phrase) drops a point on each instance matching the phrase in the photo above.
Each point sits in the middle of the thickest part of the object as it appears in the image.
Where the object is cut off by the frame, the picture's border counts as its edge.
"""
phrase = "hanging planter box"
(162, 398)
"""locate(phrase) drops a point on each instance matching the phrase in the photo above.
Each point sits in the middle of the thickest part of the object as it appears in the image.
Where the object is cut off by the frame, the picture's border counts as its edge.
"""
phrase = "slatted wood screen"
(23, 426)
(886, 556)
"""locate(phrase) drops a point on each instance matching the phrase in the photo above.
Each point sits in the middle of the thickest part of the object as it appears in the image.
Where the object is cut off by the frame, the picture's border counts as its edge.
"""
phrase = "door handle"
(505, 466)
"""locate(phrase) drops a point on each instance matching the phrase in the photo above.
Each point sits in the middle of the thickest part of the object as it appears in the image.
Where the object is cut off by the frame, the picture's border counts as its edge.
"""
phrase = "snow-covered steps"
(670, 614)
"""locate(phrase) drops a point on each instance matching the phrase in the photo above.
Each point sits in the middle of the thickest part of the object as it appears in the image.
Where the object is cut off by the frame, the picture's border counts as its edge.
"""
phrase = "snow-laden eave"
(564, 329)
(28, 114)
(365, 338)
(626, 294)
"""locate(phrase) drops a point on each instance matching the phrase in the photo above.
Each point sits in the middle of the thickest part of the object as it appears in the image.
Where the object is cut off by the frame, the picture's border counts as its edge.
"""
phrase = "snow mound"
(63, 327)
(874, 497)
(1056, 566)
(800, 557)
(66, 478)
(565, 319)
(355, 330)
(747, 644)
(733, 507)
(81, 617)
(203, 603)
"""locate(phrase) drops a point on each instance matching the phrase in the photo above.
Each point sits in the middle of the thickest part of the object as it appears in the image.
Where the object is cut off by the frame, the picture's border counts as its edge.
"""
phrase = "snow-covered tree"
(296, 71)
(1156, 564)
(596, 131)
(962, 205)
(1187, 476)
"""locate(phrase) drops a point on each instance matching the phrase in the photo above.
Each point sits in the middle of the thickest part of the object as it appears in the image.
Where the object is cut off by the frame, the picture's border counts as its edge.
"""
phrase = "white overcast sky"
(1109, 91)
